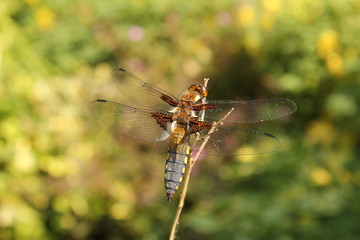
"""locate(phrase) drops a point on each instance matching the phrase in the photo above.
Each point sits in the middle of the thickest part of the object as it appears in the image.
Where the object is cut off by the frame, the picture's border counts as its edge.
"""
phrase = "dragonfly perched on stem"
(162, 115)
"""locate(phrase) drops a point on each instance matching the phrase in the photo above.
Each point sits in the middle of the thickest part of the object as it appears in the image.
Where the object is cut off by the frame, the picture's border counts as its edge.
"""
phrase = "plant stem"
(187, 176)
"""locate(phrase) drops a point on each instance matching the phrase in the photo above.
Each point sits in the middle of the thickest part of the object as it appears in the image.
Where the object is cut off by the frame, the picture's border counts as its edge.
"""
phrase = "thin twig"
(206, 80)
(187, 176)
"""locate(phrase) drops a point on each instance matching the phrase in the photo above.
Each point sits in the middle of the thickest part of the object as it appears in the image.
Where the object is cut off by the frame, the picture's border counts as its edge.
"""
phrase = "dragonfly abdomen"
(176, 161)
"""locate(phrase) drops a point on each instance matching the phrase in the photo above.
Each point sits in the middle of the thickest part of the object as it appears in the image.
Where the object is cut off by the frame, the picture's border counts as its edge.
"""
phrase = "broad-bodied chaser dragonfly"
(166, 116)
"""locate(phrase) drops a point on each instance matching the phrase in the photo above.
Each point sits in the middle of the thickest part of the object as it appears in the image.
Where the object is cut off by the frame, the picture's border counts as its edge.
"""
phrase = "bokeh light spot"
(321, 177)
(7, 216)
(320, 132)
(136, 33)
(291, 83)
(271, 6)
(334, 64)
(24, 159)
(341, 105)
(44, 19)
(223, 18)
(246, 15)
(121, 211)
(327, 43)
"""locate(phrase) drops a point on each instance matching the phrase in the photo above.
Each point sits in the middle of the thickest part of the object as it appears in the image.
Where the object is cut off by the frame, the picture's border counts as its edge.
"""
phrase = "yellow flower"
(32, 2)
(328, 42)
(245, 15)
(267, 22)
(321, 177)
(334, 64)
(328, 49)
(44, 18)
(271, 6)
(320, 132)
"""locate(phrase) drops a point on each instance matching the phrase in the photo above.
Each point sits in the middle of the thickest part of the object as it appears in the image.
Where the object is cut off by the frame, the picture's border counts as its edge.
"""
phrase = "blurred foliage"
(62, 176)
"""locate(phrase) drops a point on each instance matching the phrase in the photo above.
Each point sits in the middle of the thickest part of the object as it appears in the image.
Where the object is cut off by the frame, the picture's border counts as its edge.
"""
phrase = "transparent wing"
(250, 111)
(142, 93)
(134, 122)
(236, 141)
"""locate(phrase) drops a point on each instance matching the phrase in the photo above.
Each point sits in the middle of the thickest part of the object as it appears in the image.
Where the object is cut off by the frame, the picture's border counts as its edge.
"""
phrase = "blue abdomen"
(176, 161)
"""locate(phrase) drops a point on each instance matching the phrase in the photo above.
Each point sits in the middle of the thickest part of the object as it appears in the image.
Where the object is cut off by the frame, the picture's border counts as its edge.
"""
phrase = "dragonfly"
(159, 115)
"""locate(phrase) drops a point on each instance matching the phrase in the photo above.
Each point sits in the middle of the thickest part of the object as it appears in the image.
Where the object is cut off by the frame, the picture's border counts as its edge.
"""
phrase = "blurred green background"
(65, 176)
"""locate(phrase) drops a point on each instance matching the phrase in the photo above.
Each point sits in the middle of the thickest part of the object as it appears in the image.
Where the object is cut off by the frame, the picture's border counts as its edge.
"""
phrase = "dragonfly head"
(195, 92)
(200, 89)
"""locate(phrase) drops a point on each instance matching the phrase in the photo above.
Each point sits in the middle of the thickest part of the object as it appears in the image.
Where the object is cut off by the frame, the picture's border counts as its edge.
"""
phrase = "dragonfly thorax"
(182, 113)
